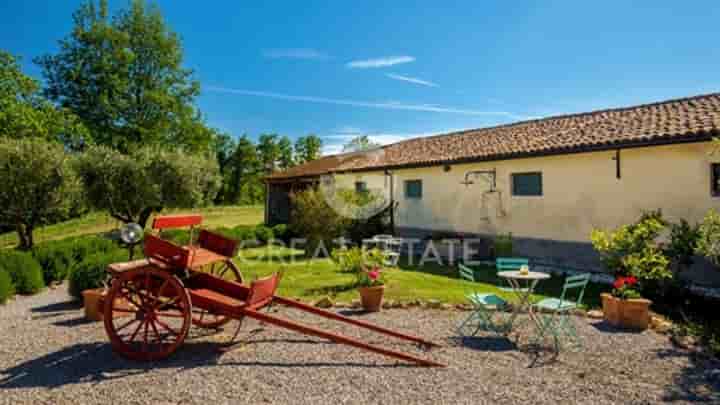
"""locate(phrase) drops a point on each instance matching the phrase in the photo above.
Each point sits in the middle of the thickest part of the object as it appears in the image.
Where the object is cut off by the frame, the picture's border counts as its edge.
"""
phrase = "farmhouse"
(547, 181)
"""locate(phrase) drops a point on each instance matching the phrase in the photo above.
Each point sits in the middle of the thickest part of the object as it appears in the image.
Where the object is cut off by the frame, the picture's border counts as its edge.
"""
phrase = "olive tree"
(38, 184)
(134, 186)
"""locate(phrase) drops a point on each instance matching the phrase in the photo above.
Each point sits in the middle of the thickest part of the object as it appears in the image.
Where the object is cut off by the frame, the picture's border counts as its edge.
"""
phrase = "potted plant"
(639, 262)
(371, 288)
(625, 307)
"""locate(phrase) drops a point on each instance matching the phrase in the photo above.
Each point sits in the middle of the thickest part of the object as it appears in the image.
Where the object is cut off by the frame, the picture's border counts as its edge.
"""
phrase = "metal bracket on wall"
(491, 180)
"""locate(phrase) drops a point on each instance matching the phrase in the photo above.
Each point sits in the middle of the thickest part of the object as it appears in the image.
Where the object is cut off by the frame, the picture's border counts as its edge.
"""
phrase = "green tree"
(268, 151)
(359, 144)
(285, 153)
(38, 184)
(124, 78)
(307, 148)
(25, 112)
(131, 187)
(244, 170)
(224, 146)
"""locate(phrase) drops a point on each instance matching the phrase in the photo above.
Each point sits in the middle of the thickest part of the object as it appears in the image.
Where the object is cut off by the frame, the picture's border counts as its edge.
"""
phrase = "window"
(361, 187)
(715, 179)
(527, 184)
(413, 189)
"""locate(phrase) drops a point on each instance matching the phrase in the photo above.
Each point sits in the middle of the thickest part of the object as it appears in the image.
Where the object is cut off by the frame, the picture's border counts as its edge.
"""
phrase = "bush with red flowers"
(626, 288)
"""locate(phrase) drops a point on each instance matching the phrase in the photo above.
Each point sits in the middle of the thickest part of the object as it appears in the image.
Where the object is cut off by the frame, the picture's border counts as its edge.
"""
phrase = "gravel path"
(49, 354)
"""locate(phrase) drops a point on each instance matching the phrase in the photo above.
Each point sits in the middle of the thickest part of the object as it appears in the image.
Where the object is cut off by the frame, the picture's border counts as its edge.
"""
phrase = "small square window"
(527, 184)
(715, 179)
(361, 187)
(413, 189)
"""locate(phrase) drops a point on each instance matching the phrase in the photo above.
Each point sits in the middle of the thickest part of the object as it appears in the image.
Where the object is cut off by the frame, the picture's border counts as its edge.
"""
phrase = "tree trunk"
(145, 215)
(25, 236)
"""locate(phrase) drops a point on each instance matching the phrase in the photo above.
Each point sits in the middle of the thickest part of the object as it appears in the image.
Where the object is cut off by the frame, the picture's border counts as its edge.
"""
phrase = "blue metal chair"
(556, 319)
(510, 264)
(485, 306)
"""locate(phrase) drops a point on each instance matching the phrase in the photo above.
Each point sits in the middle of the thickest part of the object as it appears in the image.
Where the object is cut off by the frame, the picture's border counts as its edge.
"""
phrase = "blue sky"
(401, 69)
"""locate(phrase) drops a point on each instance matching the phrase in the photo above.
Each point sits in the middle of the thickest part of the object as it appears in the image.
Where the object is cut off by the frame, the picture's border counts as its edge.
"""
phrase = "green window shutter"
(527, 184)
(413, 189)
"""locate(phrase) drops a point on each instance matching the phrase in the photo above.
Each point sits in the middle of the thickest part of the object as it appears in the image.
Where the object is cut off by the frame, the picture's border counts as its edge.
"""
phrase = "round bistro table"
(523, 286)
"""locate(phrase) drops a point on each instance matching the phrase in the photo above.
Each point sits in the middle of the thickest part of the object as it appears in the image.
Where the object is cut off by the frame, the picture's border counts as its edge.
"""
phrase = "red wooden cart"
(152, 302)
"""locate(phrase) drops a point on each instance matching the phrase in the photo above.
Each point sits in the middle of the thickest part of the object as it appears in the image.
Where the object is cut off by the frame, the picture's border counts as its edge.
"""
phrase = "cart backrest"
(262, 291)
(165, 252)
(176, 221)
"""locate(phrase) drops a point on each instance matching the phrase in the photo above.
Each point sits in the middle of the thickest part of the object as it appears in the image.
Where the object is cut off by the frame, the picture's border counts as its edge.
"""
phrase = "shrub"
(281, 232)
(503, 245)
(7, 289)
(682, 245)
(24, 271)
(264, 234)
(632, 250)
(91, 271)
(56, 258)
(246, 235)
(313, 219)
(708, 243)
(86, 246)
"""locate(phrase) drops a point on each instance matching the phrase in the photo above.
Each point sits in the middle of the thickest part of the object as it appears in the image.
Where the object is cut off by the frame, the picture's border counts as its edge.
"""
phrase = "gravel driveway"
(50, 354)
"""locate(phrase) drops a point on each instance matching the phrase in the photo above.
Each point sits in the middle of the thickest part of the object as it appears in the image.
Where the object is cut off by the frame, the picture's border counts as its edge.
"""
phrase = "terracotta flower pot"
(628, 314)
(371, 297)
(94, 303)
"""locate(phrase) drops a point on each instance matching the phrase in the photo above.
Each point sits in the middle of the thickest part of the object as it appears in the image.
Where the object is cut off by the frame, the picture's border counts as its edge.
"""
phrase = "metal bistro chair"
(510, 264)
(485, 306)
(557, 318)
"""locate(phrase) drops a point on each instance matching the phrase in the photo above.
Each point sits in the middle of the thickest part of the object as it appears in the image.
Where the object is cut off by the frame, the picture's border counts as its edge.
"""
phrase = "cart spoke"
(166, 327)
(125, 325)
(170, 314)
(134, 334)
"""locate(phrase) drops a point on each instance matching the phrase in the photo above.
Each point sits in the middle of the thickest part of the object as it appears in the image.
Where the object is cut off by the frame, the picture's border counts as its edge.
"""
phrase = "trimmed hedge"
(24, 271)
(7, 290)
(57, 258)
(91, 271)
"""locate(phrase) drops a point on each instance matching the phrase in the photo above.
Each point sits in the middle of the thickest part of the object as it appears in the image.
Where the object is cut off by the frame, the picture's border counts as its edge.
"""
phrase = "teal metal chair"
(510, 264)
(485, 306)
(556, 313)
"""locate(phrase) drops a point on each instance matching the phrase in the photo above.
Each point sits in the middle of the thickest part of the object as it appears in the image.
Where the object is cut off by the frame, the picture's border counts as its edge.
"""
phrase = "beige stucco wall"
(580, 192)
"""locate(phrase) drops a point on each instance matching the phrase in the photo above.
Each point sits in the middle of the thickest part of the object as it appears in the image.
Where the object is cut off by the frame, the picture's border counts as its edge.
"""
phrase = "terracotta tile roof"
(673, 121)
(325, 164)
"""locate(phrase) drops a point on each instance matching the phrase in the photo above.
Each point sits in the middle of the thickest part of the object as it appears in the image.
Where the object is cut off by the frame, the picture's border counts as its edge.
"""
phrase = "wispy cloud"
(379, 62)
(409, 79)
(357, 103)
(295, 53)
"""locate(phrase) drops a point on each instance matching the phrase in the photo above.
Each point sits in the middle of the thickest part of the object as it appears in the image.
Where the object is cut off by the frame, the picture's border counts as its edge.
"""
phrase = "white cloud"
(357, 103)
(295, 53)
(409, 79)
(379, 62)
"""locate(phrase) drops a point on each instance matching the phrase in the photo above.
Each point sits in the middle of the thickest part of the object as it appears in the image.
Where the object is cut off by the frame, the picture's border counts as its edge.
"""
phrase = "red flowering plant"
(371, 277)
(626, 288)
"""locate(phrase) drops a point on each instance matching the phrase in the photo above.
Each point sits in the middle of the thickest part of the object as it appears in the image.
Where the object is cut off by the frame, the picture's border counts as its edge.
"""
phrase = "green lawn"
(311, 279)
(98, 222)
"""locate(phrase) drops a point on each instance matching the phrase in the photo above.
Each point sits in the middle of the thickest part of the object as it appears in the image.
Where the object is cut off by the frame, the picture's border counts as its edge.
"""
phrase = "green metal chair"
(510, 264)
(485, 306)
(556, 318)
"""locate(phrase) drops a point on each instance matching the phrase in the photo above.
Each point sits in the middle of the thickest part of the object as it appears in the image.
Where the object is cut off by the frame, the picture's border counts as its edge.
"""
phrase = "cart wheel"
(209, 320)
(147, 314)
